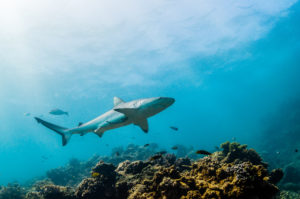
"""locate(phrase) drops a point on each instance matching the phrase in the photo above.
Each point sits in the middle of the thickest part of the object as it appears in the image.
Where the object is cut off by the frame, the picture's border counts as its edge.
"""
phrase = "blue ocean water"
(228, 72)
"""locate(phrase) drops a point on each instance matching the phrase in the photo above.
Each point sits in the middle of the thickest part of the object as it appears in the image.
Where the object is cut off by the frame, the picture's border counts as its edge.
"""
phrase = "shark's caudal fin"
(66, 136)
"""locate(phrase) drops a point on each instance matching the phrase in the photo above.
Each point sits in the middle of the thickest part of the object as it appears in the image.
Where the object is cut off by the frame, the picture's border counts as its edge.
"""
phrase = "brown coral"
(235, 152)
(46, 190)
(236, 172)
(103, 186)
(211, 179)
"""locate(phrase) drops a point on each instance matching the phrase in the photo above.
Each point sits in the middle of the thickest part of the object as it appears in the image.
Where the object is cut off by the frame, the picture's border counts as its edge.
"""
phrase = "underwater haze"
(230, 66)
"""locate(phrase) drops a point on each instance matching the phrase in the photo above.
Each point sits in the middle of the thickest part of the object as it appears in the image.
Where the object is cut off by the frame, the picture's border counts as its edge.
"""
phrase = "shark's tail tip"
(37, 119)
(66, 136)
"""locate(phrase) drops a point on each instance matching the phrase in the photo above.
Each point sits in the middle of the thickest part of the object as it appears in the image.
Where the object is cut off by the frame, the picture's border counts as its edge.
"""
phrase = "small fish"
(174, 148)
(117, 153)
(155, 157)
(174, 128)
(277, 152)
(234, 139)
(106, 144)
(146, 145)
(203, 152)
(95, 174)
(27, 114)
(58, 112)
(296, 150)
(217, 148)
(80, 123)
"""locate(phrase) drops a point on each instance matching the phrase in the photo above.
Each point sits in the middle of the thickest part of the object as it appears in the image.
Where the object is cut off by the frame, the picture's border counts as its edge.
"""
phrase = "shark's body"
(124, 113)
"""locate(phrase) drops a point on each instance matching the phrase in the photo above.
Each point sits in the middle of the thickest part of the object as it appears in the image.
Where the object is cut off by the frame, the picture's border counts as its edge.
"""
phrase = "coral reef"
(276, 175)
(237, 153)
(291, 177)
(54, 192)
(45, 189)
(73, 172)
(288, 195)
(12, 191)
(183, 151)
(102, 186)
(131, 152)
(292, 173)
(235, 172)
(210, 179)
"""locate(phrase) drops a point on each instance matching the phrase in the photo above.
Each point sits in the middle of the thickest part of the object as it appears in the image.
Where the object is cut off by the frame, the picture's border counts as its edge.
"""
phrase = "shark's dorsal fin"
(143, 124)
(117, 101)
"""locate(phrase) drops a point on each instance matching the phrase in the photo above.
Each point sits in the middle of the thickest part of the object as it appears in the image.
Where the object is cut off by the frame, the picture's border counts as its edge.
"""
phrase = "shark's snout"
(166, 101)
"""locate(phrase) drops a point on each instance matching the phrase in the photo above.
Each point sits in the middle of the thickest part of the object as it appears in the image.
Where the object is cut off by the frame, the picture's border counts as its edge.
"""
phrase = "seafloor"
(231, 172)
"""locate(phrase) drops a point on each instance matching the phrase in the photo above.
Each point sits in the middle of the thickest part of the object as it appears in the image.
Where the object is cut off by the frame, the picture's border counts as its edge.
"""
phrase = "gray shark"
(123, 113)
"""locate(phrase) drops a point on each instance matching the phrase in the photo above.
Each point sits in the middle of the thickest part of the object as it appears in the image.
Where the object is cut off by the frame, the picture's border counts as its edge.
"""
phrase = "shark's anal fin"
(100, 134)
(117, 101)
(143, 124)
(65, 138)
(99, 131)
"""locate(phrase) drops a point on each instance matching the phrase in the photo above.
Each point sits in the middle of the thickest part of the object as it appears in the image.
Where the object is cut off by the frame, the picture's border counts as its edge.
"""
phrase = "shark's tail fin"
(66, 135)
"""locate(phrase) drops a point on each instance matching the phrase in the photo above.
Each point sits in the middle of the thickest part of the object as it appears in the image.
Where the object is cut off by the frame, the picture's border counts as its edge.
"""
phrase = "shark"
(123, 113)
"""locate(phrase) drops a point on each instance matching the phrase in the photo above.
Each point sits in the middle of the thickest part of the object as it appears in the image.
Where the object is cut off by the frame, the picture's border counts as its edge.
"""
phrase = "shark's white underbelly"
(107, 121)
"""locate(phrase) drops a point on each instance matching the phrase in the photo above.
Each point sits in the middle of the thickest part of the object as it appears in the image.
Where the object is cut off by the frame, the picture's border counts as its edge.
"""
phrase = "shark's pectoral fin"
(129, 112)
(143, 124)
(132, 114)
